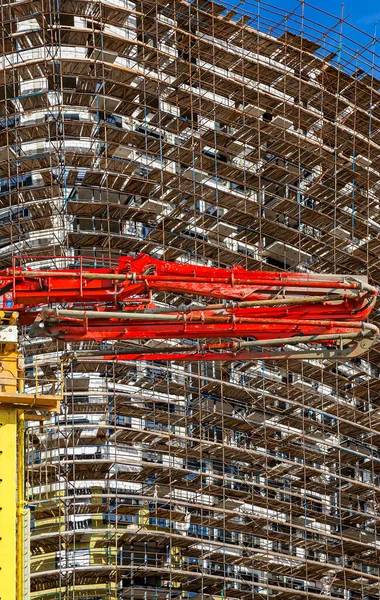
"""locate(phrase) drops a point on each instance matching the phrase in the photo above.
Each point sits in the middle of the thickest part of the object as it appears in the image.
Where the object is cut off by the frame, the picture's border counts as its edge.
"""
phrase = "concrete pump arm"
(238, 314)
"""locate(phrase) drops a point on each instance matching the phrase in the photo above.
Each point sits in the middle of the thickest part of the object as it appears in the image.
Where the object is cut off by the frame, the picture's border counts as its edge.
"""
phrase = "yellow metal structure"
(8, 499)
(13, 403)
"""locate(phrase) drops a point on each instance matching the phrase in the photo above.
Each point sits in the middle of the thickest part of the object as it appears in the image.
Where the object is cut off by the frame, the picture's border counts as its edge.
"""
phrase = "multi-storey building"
(219, 136)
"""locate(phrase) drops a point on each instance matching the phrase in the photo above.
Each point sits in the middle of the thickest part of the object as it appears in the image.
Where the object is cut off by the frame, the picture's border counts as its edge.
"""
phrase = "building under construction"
(210, 135)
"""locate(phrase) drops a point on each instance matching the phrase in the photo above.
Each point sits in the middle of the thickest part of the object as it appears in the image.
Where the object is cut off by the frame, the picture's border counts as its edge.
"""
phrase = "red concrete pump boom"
(252, 312)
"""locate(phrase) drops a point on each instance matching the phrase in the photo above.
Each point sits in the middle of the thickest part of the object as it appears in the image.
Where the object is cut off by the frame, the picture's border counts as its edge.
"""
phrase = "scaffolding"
(210, 134)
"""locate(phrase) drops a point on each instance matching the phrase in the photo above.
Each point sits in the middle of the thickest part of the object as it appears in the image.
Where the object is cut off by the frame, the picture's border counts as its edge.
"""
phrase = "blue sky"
(320, 20)
(361, 13)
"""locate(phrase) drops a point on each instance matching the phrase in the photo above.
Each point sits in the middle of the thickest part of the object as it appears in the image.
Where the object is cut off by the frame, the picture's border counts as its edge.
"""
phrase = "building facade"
(199, 133)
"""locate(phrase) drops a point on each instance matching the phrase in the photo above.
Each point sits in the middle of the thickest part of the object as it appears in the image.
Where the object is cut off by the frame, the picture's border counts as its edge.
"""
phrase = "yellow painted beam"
(14, 541)
(8, 502)
(44, 402)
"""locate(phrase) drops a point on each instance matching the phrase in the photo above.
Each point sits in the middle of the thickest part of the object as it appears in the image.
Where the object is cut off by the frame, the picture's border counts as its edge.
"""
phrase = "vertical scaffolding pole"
(22, 516)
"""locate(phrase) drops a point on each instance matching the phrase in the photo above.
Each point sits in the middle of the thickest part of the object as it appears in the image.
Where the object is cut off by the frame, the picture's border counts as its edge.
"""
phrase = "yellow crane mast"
(15, 406)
